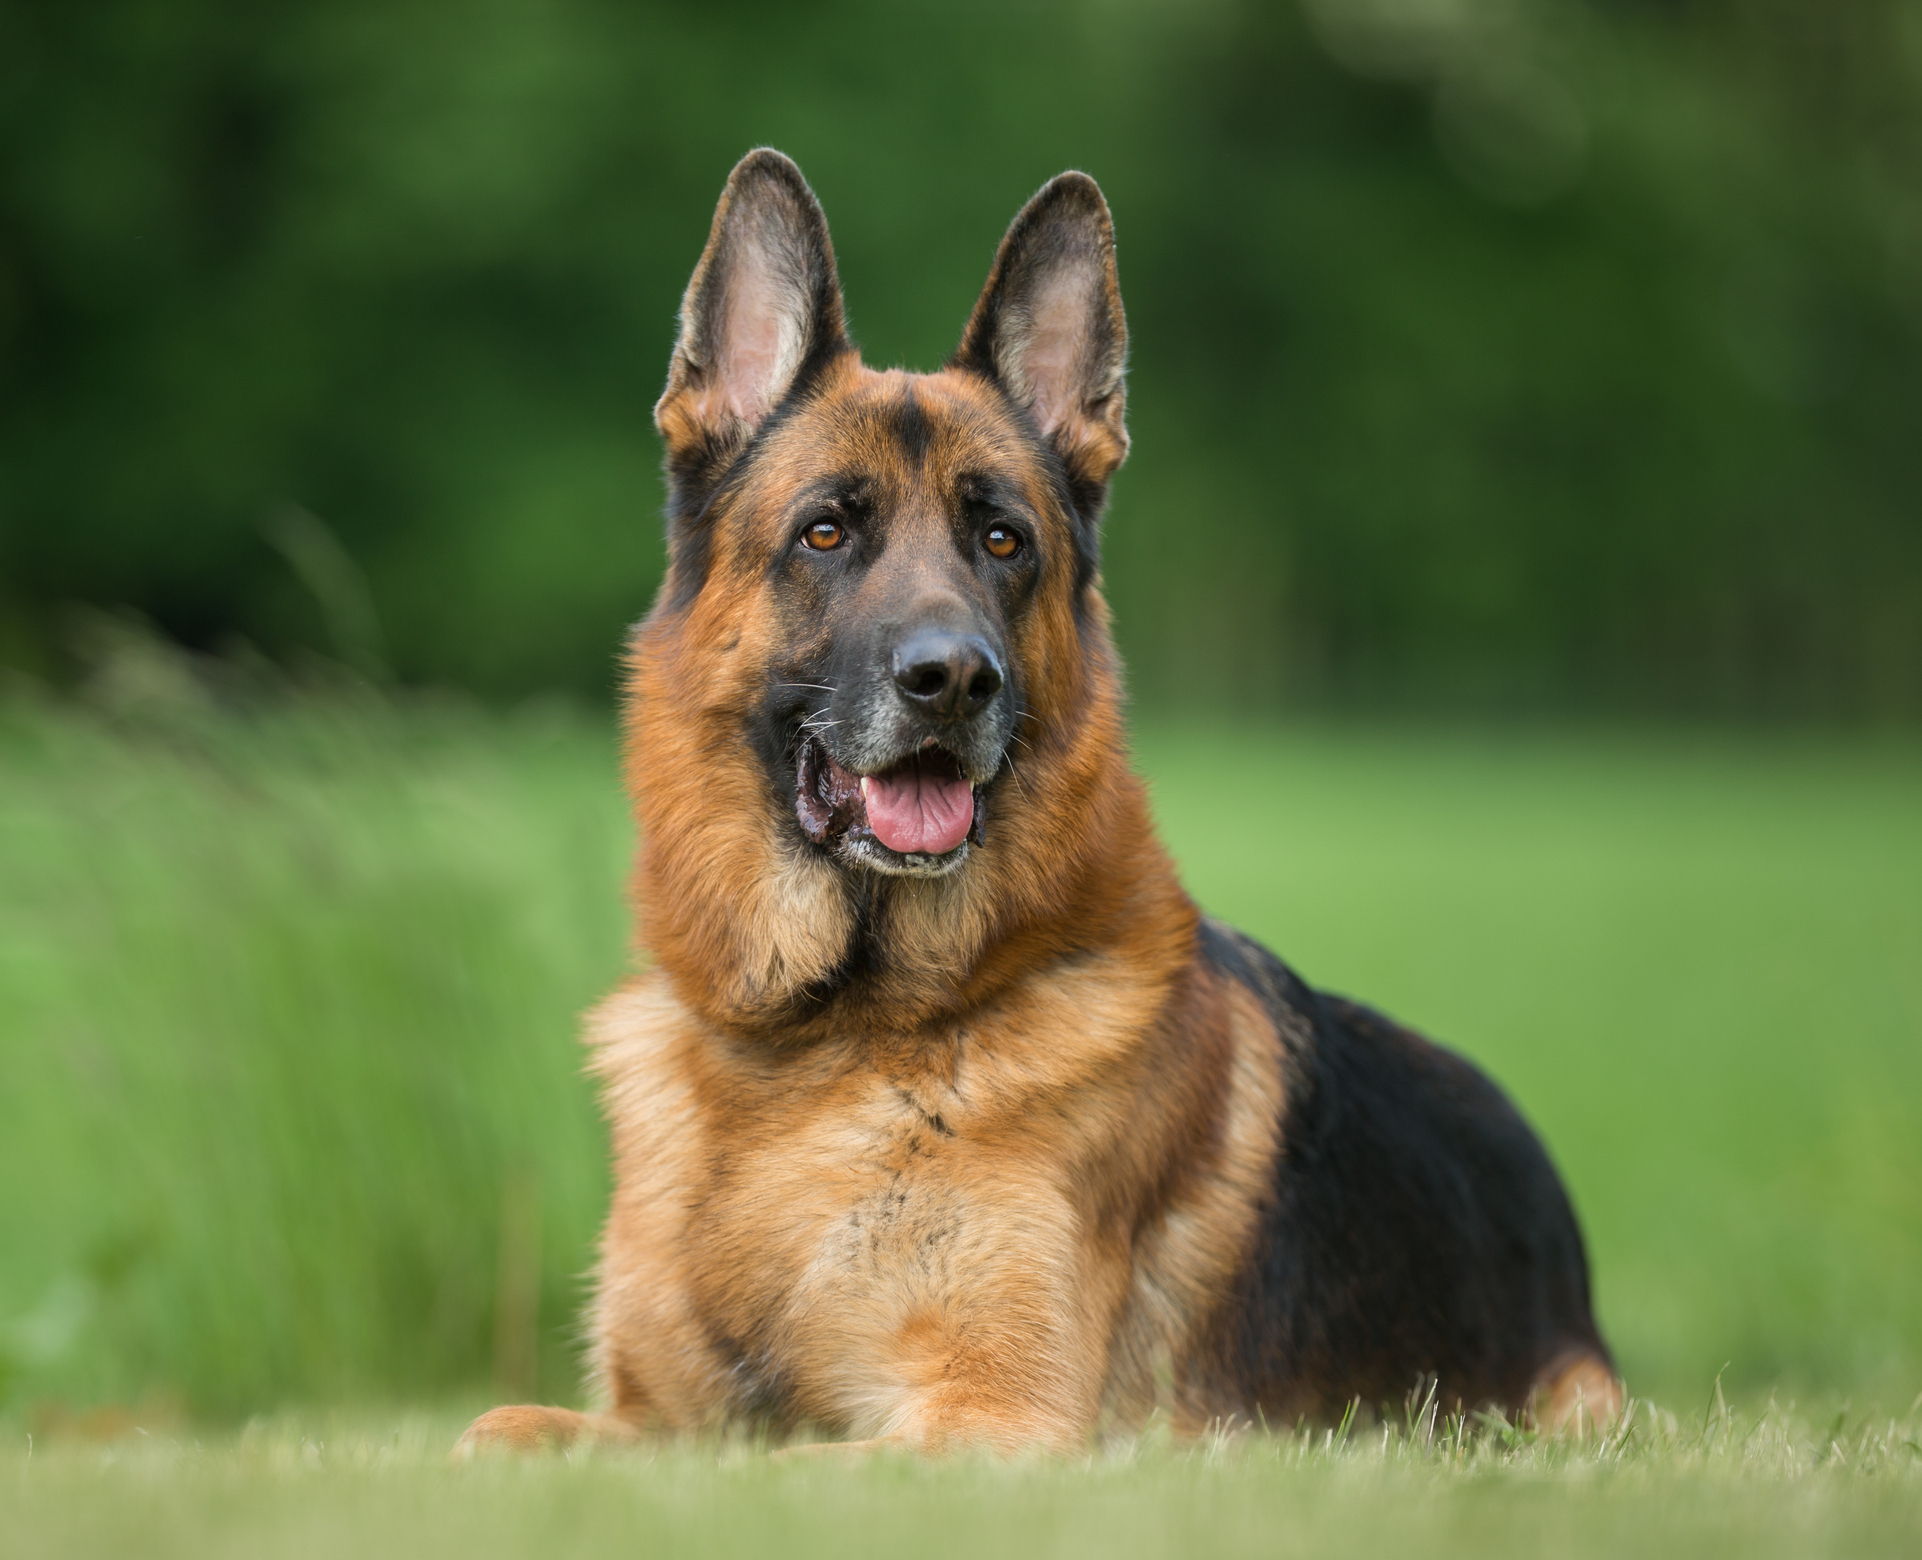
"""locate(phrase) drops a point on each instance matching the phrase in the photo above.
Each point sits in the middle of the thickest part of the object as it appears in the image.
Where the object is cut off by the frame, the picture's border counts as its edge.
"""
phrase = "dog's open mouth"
(921, 806)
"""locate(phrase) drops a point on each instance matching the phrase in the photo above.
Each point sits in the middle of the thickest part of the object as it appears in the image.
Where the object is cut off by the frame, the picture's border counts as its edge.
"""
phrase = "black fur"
(911, 429)
(1416, 1228)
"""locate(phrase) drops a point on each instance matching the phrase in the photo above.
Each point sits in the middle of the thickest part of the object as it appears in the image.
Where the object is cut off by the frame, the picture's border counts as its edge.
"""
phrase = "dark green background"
(1526, 355)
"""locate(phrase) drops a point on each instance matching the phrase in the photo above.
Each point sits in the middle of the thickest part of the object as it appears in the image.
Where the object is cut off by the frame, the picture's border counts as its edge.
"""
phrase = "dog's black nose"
(948, 675)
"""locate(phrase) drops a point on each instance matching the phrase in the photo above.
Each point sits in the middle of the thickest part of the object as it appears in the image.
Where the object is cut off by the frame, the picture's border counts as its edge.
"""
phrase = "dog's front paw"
(526, 1428)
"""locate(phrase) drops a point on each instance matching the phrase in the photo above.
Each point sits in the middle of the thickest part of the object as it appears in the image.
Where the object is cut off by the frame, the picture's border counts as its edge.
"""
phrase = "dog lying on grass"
(941, 1116)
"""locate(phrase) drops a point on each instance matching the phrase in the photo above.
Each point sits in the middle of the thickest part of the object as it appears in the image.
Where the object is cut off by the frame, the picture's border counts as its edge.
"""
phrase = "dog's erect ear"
(763, 309)
(1049, 329)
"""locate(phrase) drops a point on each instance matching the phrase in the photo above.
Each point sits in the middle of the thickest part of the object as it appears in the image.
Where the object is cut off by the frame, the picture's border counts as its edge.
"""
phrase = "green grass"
(288, 998)
(1716, 1483)
(287, 1011)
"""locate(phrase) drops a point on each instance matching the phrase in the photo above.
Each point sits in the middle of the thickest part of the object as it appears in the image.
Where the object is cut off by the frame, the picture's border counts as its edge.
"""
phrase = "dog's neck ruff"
(763, 930)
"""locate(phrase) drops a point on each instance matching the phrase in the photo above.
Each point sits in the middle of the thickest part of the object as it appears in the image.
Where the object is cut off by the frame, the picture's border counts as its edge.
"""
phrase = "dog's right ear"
(762, 312)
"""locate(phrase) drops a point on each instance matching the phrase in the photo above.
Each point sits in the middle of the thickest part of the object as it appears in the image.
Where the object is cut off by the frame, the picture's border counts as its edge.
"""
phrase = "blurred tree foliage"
(1486, 351)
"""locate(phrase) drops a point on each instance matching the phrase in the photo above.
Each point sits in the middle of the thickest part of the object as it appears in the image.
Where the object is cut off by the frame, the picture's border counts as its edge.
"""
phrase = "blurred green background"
(1519, 568)
(1486, 352)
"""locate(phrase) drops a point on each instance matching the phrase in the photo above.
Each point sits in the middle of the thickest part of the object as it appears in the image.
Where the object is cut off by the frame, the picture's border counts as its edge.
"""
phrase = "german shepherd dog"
(940, 1114)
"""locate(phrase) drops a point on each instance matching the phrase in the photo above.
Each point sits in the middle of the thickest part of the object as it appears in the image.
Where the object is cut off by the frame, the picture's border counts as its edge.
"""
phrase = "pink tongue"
(915, 812)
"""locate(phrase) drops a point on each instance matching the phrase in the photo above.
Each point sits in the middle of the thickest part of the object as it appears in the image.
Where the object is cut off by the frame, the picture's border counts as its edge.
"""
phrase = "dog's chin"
(864, 853)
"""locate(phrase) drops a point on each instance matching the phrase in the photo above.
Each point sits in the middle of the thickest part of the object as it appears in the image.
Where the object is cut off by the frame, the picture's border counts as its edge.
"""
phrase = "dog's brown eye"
(822, 536)
(1002, 541)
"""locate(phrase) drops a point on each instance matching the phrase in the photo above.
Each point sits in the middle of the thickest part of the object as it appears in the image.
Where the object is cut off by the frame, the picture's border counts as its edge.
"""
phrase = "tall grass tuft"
(293, 1104)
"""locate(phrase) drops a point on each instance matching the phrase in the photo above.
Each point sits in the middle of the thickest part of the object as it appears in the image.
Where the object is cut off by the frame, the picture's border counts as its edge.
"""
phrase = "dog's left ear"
(1049, 328)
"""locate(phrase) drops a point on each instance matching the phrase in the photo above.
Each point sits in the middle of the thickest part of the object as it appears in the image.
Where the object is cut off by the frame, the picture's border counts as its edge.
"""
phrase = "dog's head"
(881, 587)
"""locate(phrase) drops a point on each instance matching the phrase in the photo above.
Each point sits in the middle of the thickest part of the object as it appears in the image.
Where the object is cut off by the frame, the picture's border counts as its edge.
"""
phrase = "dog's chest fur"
(812, 1239)
(860, 1237)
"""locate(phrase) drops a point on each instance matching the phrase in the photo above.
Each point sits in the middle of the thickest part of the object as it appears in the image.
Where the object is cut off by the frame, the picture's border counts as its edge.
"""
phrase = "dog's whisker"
(1025, 712)
(1017, 777)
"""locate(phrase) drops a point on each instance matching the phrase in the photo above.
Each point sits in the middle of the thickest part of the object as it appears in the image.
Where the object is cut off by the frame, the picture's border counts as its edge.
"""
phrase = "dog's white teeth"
(867, 787)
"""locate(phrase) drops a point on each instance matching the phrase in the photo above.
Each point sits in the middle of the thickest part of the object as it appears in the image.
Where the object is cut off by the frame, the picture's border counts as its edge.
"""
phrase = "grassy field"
(1715, 1483)
(293, 1120)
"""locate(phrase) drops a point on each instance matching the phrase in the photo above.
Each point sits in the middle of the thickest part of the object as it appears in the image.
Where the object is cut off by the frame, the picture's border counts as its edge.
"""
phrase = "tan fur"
(988, 1204)
(994, 1191)
(1185, 1261)
(992, 1194)
(1578, 1398)
(949, 1259)
(525, 1428)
